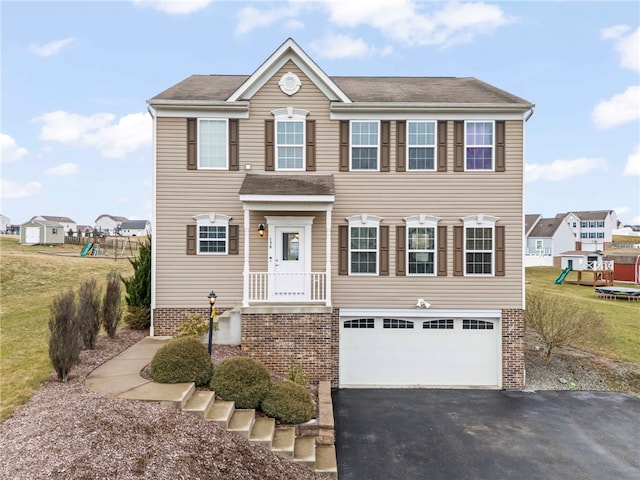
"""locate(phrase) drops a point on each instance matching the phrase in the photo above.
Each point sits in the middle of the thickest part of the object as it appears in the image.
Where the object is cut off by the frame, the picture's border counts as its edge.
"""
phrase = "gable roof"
(134, 224)
(52, 218)
(529, 222)
(546, 227)
(593, 214)
(115, 218)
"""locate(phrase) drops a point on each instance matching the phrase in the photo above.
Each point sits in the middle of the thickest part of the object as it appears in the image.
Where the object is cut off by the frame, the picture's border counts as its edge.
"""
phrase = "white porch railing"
(602, 265)
(287, 287)
(538, 252)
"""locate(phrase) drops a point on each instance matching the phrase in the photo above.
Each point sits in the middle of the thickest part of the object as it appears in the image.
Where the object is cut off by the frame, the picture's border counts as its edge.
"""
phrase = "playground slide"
(87, 248)
(562, 276)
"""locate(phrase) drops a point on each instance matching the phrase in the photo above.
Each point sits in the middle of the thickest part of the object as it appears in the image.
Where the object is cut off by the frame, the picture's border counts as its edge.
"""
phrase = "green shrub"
(182, 360)
(296, 374)
(194, 326)
(243, 380)
(64, 341)
(138, 318)
(289, 402)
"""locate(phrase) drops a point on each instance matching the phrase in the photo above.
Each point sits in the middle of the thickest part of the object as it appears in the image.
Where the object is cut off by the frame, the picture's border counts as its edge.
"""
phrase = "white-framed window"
(479, 245)
(600, 224)
(212, 234)
(421, 145)
(365, 144)
(213, 144)
(584, 224)
(600, 234)
(584, 235)
(363, 244)
(479, 145)
(539, 244)
(421, 244)
(290, 138)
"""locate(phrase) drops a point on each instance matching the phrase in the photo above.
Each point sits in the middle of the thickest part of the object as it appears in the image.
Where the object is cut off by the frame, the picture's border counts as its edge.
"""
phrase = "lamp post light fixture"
(261, 230)
(212, 302)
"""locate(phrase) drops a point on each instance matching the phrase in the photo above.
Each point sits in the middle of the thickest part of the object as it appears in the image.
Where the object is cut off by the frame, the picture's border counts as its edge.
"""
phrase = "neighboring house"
(66, 222)
(351, 224)
(108, 224)
(84, 230)
(135, 228)
(593, 229)
(546, 240)
(42, 232)
(530, 221)
(5, 222)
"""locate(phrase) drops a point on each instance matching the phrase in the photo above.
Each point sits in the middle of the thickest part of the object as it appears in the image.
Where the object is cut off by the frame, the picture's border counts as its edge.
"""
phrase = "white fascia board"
(424, 112)
(287, 206)
(419, 312)
(289, 198)
(289, 50)
(226, 111)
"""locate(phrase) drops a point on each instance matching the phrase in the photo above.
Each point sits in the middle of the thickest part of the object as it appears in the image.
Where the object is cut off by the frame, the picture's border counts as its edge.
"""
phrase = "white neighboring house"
(4, 223)
(592, 229)
(546, 240)
(135, 228)
(66, 222)
(108, 224)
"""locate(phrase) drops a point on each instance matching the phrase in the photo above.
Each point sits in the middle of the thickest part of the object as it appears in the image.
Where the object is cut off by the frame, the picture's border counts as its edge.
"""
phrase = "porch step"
(221, 413)
(326, 461)
(263, 431)
(304, 451)
(242, 422)
(283, 442)
(200, 403)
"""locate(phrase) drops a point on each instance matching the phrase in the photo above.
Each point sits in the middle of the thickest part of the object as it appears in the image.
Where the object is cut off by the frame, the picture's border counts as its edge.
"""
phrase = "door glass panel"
(290, 246)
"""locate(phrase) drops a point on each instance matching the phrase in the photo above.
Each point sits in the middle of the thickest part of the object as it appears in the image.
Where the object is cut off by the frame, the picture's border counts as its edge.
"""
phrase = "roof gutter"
(533, 107)
(403, 107)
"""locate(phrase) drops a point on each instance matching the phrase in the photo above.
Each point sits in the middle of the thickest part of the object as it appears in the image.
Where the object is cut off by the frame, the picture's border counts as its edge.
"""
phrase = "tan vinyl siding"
(184, 281)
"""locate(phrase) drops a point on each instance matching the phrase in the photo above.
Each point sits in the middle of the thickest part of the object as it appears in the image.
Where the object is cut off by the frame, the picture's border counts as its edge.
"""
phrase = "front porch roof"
(290, 189)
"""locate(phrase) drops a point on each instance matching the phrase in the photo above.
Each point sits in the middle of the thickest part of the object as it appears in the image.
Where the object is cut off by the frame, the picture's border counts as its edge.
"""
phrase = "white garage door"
(428, 352)
(32, 235)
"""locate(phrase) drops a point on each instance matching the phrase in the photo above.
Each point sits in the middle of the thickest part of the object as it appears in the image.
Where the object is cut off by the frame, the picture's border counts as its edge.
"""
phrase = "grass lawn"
(621, 316)
(29, 280)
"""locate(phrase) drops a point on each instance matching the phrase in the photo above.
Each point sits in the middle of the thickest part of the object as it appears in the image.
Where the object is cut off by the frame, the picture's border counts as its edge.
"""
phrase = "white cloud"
(560, 170)
(112, 140)
(63, 169)
(341, 46)
(250, 18)
(12, 189)
(9, 149)
(635, 220)
(174, 7)
(632, 168)
(619, 109)
(627, 46)
(51, 48)
(294, 24)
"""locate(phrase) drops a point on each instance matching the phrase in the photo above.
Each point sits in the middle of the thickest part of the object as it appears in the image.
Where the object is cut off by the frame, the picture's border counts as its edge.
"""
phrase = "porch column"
(245, 272)
(328, 257)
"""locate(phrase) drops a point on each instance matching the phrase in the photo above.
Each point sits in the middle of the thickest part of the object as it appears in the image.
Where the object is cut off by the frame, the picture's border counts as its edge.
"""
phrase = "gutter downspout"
(153, 220)
(533, 107)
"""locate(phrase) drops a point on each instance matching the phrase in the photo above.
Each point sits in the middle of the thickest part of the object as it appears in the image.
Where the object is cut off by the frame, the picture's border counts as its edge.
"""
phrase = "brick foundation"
(513, 367)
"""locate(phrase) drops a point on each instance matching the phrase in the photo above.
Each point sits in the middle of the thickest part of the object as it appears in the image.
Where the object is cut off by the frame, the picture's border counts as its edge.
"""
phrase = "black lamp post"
(212, 302)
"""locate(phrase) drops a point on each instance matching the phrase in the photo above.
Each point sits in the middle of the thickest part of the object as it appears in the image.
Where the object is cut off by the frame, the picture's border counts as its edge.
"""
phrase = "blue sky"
(76, 137)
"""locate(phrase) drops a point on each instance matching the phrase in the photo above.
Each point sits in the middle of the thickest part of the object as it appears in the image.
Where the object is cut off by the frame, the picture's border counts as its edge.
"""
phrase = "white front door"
(288, 280)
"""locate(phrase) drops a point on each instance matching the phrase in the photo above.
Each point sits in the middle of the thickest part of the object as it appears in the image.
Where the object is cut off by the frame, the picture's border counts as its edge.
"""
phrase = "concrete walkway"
(120, 376)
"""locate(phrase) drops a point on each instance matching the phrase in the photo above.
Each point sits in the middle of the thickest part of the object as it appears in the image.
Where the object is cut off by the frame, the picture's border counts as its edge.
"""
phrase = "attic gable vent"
(290, 83)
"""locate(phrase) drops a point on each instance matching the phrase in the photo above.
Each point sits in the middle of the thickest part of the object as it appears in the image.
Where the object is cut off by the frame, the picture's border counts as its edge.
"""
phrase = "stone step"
(263, 431)
(283, 442)
(221, 413)
(200, 403)
(242, 422)
(304, 451)
(326, 461)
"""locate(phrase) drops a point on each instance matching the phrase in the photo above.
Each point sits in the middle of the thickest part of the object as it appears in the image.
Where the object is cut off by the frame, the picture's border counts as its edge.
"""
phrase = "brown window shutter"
(234, 143)
(344, 147)
(311, 145)
(442, 250)
(500, 251)
(234, 239)
(458, 140)
(192, 143)
(458, 251)
(343, 250)
(401, 146)
(269, 146)
(385, 145)
(500, 146)
(401, 250)
(384, 250)
(442, 146)
(192, 239)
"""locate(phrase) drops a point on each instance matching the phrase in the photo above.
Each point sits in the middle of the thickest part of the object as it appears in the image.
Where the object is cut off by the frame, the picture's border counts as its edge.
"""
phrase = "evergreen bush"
(89, 312)
(138, 287)
(138, 318)
(181, 360)
(289, 402)
(111, 305)
(242, 380)
(64, 339)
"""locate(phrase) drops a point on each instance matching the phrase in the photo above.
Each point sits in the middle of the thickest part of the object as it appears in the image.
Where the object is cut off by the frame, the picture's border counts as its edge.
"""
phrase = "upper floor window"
(365, 141)
(479, 146)
(212, 143)
(421, 145)
(290, 138)
(213, 233)
(600, 224)
(421, 245)
(479, 245)
(363, 244)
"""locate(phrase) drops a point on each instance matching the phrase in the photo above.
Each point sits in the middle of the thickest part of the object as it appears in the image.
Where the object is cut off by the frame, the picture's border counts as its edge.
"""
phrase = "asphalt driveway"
(486, 434)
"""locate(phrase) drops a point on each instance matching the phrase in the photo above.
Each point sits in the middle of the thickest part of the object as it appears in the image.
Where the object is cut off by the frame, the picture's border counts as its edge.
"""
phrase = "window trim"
(422, 221)
(212, 220)
(351, 146)
(366, 221)
(479, 221)
(290, 115)
(226, 138)
(434, 146)
(493, 146)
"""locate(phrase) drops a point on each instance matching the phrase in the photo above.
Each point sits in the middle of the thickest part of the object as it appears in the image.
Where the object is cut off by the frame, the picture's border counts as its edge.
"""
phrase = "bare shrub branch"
(89, 312)
(111, 305)
(64, 339)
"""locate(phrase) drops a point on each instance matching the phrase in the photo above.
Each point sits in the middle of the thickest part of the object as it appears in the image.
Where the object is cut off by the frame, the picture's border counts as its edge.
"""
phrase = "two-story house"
(593, 230)
(367, 228)
(108, 224)
(546, 239)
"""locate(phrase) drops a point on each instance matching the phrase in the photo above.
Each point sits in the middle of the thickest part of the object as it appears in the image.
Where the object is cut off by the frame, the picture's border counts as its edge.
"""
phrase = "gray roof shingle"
(546, 227)
(255, 184)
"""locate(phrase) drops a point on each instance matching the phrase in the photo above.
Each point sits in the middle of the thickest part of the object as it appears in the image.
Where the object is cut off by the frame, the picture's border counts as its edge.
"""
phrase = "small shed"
(626, 267)
(580, 260)
(41, 232)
